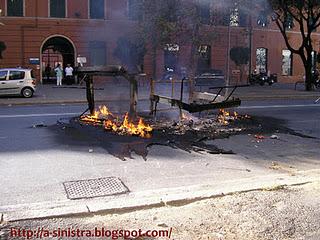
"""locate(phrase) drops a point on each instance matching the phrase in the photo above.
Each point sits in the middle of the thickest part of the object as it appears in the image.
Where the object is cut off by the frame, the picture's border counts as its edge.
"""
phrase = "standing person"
(69, 74)
(59, 74)
(47, 72)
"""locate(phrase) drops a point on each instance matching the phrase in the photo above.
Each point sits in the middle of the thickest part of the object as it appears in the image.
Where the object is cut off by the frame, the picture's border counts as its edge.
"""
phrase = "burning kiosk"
(117, 137)
(213, 101)
(129, 124)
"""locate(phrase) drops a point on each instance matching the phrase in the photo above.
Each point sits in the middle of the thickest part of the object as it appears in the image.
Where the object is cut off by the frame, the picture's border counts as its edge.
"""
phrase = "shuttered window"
(97, 9)
(135, 10)
(15, 8)
(58, 8)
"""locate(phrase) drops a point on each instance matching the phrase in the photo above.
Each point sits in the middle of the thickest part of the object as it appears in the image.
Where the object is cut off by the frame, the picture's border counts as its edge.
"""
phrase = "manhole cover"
(94, 188)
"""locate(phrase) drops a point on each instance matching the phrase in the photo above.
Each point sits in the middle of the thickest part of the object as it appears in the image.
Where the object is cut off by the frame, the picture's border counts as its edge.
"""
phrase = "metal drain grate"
(94, 188)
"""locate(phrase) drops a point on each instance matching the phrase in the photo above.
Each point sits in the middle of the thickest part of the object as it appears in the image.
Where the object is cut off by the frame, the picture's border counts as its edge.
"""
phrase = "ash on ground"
(190, 134)
(210, 125)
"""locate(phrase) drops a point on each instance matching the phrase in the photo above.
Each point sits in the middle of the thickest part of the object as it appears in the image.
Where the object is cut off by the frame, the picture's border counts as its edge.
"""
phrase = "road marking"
(279, 106)
(78, 113)
(39, 115)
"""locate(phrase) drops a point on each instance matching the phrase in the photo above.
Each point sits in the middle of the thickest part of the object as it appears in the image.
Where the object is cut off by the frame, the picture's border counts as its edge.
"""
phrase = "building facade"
(38, 33)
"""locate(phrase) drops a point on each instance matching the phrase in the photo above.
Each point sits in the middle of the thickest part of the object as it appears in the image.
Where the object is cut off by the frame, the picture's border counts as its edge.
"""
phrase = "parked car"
(210, 77)
(17, 81)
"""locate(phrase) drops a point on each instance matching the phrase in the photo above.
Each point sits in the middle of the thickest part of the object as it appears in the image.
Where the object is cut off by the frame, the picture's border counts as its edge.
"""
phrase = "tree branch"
(282, 27)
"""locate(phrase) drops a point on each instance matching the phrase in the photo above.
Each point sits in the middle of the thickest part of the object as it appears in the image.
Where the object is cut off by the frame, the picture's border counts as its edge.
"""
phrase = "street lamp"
(228, 58)
(233, 21)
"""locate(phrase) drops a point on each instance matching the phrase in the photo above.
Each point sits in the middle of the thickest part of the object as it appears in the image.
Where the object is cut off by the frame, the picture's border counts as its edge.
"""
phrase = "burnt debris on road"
(189, 134)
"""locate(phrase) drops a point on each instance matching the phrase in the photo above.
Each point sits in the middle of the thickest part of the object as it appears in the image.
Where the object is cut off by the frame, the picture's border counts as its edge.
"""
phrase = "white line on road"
(279, 106)
(78, 113)
(39, 115)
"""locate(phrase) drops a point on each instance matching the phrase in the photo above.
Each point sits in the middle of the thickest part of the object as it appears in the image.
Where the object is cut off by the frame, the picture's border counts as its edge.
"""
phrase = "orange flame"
(92, 118)
(224, 116)
(110, 123)
(141, 129)
(104, 111)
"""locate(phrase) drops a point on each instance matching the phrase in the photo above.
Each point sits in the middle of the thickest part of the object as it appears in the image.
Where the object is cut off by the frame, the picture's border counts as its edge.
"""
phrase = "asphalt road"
(18, 135)
(301, 115)
(34, 162)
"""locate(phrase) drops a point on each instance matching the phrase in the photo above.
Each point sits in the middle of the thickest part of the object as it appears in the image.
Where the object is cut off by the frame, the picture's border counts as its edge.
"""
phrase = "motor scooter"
(316, 79)
(168, 75)
(262, 79)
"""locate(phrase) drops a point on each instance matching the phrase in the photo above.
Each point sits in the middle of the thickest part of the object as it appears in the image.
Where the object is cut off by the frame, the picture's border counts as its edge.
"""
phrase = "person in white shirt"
(69, 74)
(59, 74)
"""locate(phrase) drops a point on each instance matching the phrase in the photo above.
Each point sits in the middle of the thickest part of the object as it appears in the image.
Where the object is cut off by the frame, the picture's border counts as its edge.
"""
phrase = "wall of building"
(24, 37)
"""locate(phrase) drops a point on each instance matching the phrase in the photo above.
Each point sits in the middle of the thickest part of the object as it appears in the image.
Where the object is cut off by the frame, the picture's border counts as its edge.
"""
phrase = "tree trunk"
(154, 63)
(308, 74)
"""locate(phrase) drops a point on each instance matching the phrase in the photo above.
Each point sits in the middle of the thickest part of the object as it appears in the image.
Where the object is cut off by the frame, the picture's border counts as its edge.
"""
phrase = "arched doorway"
(56, 49)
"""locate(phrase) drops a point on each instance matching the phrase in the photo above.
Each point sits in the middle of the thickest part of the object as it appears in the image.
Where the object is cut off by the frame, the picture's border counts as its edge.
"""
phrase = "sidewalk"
(50, 94)
(155, 198)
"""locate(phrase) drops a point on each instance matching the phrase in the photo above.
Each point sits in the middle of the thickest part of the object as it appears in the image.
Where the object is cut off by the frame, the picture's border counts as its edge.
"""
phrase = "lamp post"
(250, 46)
(228, 58)
(228, 54)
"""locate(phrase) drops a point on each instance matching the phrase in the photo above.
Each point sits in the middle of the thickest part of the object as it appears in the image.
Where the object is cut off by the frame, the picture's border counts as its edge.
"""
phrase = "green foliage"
(240, 55)
(2, 48)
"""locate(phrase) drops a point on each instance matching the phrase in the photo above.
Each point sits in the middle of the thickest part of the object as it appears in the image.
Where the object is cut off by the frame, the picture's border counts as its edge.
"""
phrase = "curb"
(246, 98)
(285, 97)
(154, 198)
(60, 102)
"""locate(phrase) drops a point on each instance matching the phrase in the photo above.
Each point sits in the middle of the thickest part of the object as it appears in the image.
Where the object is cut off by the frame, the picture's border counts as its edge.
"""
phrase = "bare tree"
(306, 13)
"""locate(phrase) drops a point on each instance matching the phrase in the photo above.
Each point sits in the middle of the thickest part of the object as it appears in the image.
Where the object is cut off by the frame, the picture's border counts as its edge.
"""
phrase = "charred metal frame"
(109, 71)
(193, 107)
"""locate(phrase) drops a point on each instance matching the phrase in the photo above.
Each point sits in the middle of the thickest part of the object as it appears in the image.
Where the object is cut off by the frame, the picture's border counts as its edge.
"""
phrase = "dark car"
(210, 77)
